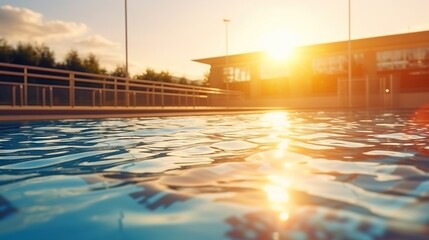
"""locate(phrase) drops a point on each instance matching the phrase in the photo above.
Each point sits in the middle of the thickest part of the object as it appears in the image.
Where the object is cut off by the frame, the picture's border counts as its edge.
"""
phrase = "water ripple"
(34, 164)
(234, 145)
(399, 136)
(342, 143)
(291, 175)
(388, 153)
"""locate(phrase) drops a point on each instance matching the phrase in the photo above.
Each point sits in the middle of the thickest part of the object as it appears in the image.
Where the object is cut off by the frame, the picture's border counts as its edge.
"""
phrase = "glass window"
(337, 64)
(330, 64)
(403, 59)
(236, 74)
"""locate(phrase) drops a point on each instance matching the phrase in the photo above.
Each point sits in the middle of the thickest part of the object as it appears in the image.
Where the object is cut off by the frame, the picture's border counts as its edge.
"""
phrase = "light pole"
(226, 69)
(126, 39)
(127, 85)
(226, 72)
(350, 60)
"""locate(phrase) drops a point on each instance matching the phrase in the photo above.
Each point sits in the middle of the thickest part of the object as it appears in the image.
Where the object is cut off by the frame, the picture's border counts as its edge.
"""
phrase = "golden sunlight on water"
(278, 195)
(277, 120)
(277, 188)
(281, 148)
(280, 124)
(301, 175)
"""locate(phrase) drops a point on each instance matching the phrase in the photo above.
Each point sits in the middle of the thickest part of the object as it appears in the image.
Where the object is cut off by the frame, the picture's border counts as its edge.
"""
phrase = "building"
(386, 71)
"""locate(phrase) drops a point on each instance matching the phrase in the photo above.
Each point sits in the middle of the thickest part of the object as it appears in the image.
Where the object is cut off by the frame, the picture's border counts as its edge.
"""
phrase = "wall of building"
(388, 71)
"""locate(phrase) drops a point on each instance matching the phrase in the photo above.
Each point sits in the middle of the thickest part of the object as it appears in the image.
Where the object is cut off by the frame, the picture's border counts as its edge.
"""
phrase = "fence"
(34, 86)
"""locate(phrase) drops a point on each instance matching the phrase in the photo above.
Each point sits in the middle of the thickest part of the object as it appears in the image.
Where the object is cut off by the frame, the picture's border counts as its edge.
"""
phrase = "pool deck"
(28, 113)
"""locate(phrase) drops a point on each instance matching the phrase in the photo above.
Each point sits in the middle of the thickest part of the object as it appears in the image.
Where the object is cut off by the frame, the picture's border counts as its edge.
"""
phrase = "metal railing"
(35, 86)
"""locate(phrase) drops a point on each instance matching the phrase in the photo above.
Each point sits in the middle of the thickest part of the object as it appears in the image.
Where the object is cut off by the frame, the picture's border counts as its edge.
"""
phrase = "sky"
(167, 34)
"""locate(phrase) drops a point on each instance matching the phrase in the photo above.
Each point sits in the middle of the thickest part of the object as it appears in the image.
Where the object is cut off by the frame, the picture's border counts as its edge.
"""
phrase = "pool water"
(276, 175)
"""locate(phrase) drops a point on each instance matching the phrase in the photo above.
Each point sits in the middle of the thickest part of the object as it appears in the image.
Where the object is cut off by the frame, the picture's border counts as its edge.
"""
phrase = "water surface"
(279, 175)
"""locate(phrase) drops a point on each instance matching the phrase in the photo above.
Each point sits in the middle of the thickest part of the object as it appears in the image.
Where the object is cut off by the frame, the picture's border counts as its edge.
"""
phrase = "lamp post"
(127, 85)
(349, 50)
(126, 39)
(226, 70)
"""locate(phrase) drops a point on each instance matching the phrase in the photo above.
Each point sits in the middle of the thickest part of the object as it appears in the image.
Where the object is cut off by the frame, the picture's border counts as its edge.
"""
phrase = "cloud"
(107, 51)
(22, 24)
(25, 25)
(97, 41)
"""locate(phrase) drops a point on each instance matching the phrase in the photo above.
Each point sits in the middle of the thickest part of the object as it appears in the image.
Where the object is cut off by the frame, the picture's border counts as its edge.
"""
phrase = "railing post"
(43, 96)
(21, 94)
(25, 86)
(51, 96)
(153, 96)
(134, 99)
(179, 98)
(193, 97)
(100, 97)
(173, 100)
(104, 91)
(71, 90)
(147, 97)
(127, 91)
(162, 95)
(209, 100)
(116, 92)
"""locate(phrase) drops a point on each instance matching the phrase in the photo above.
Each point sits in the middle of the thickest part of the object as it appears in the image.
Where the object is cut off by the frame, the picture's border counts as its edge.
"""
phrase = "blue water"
(278, 175)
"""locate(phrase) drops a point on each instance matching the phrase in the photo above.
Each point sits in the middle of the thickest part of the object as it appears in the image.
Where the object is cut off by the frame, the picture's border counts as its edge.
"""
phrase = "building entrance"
(387, 91)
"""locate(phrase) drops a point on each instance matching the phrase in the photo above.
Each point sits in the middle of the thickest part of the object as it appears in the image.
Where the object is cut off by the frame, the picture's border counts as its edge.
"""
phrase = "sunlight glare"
(278, 180)
(277, 120)
(278, 195)
(281, 148)
(284, 216)
(279, 45)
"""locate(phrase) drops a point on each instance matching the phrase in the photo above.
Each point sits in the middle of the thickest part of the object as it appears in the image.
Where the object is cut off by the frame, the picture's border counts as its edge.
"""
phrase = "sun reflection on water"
(277, 190)
(274, 176)
(279, 123)
(281, 148)
(279, 183)
(276, 120)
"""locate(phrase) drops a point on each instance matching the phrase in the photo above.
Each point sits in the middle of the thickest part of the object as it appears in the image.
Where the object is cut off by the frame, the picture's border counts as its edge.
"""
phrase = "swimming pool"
(277, 175)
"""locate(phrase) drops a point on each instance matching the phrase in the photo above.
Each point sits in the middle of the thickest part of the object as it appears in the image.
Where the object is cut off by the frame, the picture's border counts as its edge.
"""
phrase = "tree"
(152, 75)
(73, 62)
(149, 74)
(45, 57)
(205, 81)
(165, 76)
(183, 80)
(25, 54)
(6, 51)
(91, 64)
(119, 72)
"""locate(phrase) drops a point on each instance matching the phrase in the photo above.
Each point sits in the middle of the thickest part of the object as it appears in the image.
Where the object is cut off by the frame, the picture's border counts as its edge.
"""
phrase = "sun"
(279, 45)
